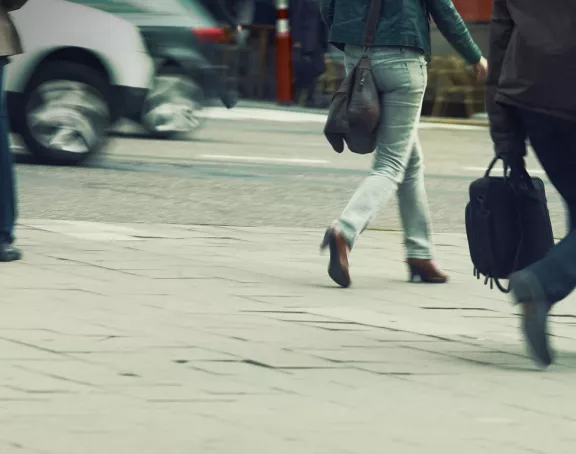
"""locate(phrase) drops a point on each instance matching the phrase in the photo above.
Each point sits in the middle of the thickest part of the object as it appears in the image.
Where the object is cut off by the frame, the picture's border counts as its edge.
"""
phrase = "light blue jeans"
(398, 163)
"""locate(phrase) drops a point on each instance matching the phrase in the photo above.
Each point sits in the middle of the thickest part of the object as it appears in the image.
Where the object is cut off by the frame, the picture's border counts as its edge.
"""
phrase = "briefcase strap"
(501, 287)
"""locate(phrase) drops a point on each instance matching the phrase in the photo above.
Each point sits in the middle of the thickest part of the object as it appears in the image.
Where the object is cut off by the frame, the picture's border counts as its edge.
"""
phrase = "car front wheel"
(66, 113)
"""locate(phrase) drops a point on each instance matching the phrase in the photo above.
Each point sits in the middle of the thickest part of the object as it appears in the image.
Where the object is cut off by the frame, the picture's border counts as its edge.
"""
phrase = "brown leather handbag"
(355, 112)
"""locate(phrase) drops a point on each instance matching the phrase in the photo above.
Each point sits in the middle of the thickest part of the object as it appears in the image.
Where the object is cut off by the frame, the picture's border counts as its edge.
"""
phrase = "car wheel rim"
(67, 116)
(173, 105)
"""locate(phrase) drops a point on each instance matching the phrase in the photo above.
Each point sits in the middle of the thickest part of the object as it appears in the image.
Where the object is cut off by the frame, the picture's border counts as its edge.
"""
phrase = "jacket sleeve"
(454, 29)
(13, 5)
(506, 128)
(327, 11)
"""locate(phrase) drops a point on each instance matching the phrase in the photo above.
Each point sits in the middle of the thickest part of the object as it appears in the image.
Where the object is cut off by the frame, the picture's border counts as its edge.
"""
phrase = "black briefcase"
(507, 223)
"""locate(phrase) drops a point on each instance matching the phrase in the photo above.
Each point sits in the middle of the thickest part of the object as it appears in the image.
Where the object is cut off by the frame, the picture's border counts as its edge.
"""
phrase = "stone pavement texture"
(147, 339)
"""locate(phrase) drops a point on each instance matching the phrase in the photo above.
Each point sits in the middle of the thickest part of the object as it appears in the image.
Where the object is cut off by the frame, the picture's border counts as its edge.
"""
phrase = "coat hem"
(506, 100)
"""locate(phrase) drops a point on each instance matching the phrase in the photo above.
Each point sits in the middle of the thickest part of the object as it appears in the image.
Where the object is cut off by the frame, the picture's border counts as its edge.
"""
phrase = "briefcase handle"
(493, 163)
(515, 174)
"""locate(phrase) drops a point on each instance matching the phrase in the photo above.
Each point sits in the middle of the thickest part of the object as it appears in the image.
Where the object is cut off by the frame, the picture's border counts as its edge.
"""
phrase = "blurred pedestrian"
(220, 11)
(265, 12)
(310, 45)
(245, 13)
(532, 94)
(234, 13)
(9, 45)
(399, 57)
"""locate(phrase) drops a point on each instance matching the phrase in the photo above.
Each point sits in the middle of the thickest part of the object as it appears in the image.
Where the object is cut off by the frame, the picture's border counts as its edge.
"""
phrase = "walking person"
(246, 11)
(9, 45)
(399, 57)
(310, 47)
(532, 95)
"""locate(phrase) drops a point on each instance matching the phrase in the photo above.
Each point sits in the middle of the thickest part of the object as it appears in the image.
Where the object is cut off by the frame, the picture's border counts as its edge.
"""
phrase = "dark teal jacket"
(402, 23)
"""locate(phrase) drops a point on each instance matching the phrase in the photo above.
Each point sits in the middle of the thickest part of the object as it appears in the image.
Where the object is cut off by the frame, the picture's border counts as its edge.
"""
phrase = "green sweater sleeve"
(454, 29)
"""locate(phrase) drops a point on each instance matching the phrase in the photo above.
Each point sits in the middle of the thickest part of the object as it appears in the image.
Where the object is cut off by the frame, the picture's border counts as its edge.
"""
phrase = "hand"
(513, 156)
(481, 69)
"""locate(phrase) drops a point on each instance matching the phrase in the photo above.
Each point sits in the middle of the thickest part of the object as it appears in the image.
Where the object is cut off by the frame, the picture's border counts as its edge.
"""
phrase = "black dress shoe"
(9, 253)
(527, 292)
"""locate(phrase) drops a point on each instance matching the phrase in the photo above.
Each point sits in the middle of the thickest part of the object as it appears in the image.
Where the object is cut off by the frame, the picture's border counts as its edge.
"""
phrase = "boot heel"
(413, 274)
(326, 241)
(421, 270)
(338, 264)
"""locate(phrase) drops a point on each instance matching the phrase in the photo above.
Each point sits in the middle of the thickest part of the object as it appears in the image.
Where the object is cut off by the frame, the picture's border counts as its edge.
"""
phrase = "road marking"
(483, 170)
(430, 125)
(285, 116)
(241, 113)
(221, 157)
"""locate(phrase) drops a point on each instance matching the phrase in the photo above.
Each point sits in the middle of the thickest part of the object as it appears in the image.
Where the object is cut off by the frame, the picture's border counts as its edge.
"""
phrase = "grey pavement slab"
(143, 338)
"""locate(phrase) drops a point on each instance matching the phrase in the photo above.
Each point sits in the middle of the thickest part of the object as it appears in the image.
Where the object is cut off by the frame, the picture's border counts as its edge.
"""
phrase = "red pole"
(284, 93)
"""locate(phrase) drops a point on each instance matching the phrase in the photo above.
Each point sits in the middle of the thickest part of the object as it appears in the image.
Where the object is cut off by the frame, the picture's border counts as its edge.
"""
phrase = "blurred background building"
(246, 56)
(214, 52)
(452, 89)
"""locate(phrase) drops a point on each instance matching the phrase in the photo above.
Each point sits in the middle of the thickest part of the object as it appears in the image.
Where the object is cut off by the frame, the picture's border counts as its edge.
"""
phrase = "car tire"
(65, 114)
(173, 105)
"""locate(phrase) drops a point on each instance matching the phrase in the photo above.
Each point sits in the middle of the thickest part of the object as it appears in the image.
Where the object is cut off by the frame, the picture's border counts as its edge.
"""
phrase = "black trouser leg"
(7, 183)
(554, 141)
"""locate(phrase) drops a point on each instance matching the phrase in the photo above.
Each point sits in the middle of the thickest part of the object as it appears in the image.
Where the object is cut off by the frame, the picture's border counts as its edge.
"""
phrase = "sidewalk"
(478, 120)
(148, 339)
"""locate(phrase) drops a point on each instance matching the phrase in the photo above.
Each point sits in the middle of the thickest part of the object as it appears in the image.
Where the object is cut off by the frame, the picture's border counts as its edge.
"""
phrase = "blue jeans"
(7, 183)
(554, 142)
(398, 163)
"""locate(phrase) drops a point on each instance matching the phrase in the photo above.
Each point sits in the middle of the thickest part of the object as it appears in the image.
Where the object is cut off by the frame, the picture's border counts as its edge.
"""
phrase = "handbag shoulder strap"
(372, 22)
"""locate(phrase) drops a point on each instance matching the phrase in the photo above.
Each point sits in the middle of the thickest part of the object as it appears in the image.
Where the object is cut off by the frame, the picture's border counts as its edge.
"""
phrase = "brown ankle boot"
(426, 270)
(338, 268)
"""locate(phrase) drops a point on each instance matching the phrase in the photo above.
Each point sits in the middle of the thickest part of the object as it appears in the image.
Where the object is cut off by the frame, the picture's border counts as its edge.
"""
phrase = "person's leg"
(7, 183)
(317, 68)
(413, 205)
(311, 89)
(415, 217)
(401, 77)
(554, 142)
(297, 91)
(551, 279)
(299, 78)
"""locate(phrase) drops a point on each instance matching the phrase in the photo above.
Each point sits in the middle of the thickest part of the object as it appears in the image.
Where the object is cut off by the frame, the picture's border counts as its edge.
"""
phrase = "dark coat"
(307, 29)
(306, 26)
(532, 64)
(402, 23)
(265, 13)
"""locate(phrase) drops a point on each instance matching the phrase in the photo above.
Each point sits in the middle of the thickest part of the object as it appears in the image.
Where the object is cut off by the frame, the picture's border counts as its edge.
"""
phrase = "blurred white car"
(82, 70)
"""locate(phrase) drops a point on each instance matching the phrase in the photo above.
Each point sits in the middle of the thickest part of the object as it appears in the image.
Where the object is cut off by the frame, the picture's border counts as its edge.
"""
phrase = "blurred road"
(250, 171)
